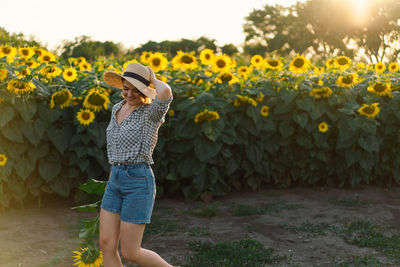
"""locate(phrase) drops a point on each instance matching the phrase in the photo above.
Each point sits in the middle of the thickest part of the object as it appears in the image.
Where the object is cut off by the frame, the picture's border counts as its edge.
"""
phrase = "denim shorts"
(131, 192)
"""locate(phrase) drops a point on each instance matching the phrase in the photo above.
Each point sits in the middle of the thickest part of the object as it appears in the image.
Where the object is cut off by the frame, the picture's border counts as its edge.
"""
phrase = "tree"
(327, 28)
(83, 46)
(16, 39)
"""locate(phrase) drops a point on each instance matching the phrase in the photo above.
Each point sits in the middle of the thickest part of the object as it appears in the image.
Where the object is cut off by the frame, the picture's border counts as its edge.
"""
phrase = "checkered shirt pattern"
(133, 141)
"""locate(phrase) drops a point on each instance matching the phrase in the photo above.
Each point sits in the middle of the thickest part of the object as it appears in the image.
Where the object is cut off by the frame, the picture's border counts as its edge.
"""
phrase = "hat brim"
(114, 79)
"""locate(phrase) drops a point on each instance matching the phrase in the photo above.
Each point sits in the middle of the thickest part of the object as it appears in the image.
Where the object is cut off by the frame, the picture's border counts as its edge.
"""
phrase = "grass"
(205, 210)
(356, 261)
(365, 234)
(159, 226)
(348, 202)
(246, 210)
(310, 228)
(244, 252)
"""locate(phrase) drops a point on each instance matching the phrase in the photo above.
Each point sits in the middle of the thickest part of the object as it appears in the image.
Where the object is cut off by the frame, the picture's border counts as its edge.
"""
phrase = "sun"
(360, 10)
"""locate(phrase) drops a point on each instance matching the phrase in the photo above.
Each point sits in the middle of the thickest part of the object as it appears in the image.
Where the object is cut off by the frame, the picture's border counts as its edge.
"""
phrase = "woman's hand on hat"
(163, 90)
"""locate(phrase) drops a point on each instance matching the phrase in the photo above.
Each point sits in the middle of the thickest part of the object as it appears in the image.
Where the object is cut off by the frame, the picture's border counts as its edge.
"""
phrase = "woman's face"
(132, 95)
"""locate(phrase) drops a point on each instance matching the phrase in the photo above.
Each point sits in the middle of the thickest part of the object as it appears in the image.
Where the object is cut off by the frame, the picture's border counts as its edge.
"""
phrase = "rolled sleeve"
(159, 107)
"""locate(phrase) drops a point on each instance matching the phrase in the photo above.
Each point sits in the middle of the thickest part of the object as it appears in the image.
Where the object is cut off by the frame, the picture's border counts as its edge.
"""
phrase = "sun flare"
(360, 10)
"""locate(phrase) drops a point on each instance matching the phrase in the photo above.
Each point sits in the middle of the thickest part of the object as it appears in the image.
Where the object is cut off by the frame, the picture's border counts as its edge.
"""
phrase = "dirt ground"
(47, 236)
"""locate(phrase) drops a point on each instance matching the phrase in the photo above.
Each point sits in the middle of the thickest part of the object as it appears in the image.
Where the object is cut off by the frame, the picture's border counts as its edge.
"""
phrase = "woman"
(132, 134)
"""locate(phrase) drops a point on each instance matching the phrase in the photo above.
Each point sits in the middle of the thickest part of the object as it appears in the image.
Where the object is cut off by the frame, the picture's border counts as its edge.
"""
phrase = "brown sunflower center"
(156, 62)
(221, 63)
(96, 99)
(273, 63)
(6, 50)
(342, 61)
(226, 77)
(298, 62)
(2, 158)
(187, 59)
(25, 52)
(379, 87)
(348, 79)
(69, 73)
(46, 58)
(369, 110)
(207, 56)
(85, 116)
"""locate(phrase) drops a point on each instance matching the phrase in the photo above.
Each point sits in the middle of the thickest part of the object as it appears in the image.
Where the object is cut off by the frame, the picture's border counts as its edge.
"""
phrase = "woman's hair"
(141, 94)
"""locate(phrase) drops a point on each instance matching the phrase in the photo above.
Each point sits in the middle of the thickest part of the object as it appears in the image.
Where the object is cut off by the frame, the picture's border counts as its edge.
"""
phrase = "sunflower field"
(234, 124)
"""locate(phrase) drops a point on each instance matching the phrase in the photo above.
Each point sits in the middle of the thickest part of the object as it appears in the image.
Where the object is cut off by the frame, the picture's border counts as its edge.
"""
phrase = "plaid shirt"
(133, 141)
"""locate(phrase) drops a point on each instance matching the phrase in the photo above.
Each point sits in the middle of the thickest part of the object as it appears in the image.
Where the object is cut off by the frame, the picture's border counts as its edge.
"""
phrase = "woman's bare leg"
(109, 232)
(131, 241)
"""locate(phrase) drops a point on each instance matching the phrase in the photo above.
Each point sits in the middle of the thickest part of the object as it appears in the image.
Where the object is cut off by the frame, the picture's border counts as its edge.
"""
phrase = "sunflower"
(171, 113)
(20, 87)
(158, 61)
(323, 127)
(22, 73)
(226, 76)
(3, 74)
(342, 62)
(361, 66)
(323, 92)
(369, 110)
(206, 115)
(144, 58)
(50, 71)
(85, 116)
(244, 100)
(207, 56)
(318, 71)
(26, 52)
(299, 64)
(184, 61)
(161, 78)
(85, 66)
(393, 67)
(9, 52)
(330, 63)
(97, 99)
(222, 63)
(257, 61)
(61, 98)
(70, 74)
(3, 159)
(129, 62)
(264, 111)
(379, 67)
(46, 57)
(380, 88)
(32, 64)
(348, 80)
(88, 257)
(273, 64)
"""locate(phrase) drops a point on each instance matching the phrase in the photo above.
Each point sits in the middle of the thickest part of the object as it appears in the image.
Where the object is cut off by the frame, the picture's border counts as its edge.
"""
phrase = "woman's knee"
(108, 242)
(130, 254)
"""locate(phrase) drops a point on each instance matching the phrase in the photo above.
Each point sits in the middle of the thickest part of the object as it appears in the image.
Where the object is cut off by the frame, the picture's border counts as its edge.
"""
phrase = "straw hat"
(135, 73)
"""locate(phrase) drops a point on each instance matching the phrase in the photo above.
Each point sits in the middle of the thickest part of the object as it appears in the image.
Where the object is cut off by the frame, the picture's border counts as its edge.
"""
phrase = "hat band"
(137, 77)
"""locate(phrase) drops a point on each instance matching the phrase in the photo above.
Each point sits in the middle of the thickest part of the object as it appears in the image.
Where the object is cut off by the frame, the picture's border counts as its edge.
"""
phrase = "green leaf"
(206, 149)
(305, 103)
(254, 153)
(287, 95)
(12, 132)
(93, 207)
(190, 166)
(90, 229)
(61, 185)
(369, 143)
(286, 129)
(40, 151)
(204, 98)
(6, 114)
(25, 167)
(98, 133)
(29, 132)
(93, 186)
(60, 137)
(83, 164)
(352, 156)
(301, 119)
(27, 108)
(50, 166)
(304, 141)
(212, 129)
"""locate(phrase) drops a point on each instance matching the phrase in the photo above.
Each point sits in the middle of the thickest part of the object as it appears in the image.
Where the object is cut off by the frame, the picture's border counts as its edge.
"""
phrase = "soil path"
(47, 236)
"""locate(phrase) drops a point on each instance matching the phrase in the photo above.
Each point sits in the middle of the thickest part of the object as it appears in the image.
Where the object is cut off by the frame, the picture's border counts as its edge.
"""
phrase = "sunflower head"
(144, 57)
(88, 257)
(206, 56)
(342, 62)
(264, 111)
(96, 99)
(158, 62)
(222, 63)
(348, 80)
(3, 74)
(60, 98)
(393, 67)
(369, 110)
(299, 64)
(184, 61)
(379, 67)
(227, 77)
(85, 116)
(257, 61)
(323, 127)
(20, 87)
(206, 115)
(380, 88)
(70, 74)
(3, 159)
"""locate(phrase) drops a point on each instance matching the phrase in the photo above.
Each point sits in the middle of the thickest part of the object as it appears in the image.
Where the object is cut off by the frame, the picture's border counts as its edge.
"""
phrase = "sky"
(130, 22)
